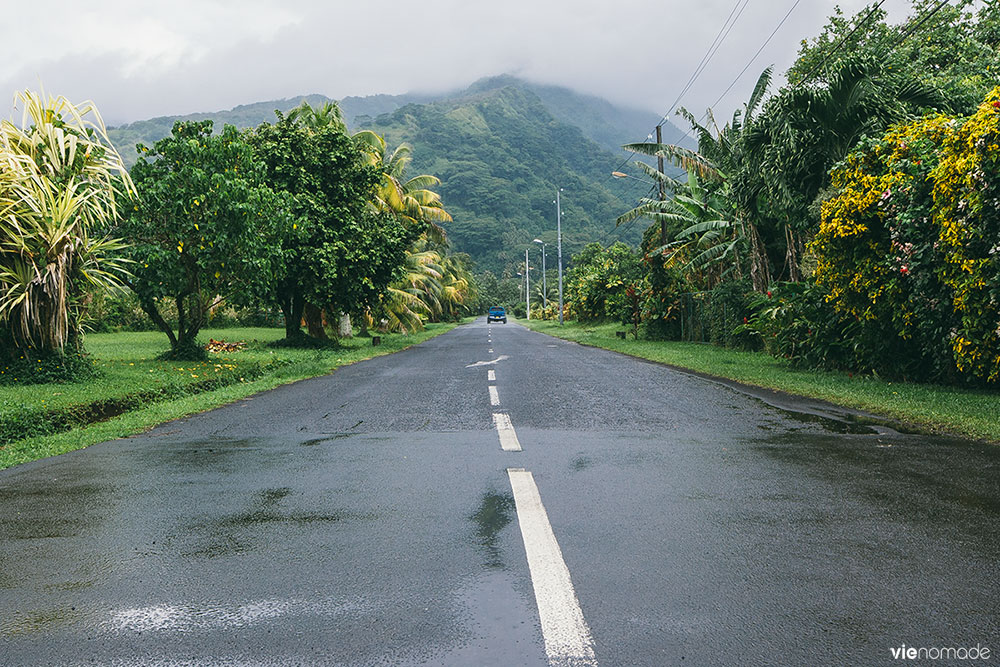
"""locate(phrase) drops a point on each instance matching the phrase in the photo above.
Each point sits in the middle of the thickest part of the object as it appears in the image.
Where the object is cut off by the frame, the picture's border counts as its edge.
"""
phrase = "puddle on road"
(64, 513)
(492, 516)
(17, 623)
(243, 531)
(328, 438)
(848, 424)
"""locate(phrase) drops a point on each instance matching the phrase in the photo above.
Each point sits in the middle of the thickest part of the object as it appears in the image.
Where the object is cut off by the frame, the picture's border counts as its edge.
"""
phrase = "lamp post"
(545, 289)
(527, 286)
(559, 249)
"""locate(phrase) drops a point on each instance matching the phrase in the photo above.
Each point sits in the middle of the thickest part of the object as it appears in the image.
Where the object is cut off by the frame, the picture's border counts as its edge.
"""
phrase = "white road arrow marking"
(502, 357)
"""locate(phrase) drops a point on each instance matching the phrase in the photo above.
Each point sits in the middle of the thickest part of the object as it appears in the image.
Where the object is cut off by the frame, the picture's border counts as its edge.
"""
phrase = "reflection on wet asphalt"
(367, 518)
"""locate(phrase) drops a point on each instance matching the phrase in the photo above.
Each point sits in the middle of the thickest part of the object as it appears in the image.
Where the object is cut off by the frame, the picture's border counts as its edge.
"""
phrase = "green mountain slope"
(500, 155)
(125, 137)
(501, 147)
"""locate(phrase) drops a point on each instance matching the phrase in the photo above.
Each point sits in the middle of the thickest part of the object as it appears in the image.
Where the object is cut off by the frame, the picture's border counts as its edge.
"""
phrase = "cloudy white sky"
(143, 58)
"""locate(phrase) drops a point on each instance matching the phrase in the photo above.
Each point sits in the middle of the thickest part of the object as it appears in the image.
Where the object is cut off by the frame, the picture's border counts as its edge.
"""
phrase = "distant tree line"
(296, 216)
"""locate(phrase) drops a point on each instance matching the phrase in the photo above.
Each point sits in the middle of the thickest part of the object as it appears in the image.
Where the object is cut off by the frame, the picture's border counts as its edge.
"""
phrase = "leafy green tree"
(948, 46)
(61, 183)
(598, 285)
(341, 255)
(205, 228)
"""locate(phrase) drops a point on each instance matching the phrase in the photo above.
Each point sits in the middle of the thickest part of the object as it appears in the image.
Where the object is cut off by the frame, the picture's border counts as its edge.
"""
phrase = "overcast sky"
(138, 59)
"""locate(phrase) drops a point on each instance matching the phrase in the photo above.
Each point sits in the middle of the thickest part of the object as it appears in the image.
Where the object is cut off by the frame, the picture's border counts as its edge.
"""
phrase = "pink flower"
(768, 294)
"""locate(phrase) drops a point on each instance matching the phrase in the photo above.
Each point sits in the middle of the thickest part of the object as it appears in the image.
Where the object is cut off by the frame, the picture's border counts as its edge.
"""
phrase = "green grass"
(933, 407)
(56, 417)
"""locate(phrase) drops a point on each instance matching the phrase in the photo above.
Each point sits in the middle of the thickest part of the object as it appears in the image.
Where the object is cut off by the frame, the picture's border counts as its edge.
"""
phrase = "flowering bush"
(908, 248)
(666, 283)
(967, 211)
(794, 322)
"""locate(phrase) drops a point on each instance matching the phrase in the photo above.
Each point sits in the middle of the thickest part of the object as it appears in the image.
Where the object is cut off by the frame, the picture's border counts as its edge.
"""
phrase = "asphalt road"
(372, 517)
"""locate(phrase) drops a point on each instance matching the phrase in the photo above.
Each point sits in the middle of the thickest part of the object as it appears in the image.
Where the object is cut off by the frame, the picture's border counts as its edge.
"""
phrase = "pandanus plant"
(61, 181)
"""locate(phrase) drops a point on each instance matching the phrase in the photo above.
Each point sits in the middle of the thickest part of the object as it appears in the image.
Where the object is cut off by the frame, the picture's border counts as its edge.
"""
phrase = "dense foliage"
(604, 283)
(848, 219)
(339, 253)
(205, 227)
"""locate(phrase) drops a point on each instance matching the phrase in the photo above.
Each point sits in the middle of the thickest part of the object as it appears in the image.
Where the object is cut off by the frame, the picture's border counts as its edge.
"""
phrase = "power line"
(836, 47)
(720, 37)
(687, 133)
(919, 23)
(709, 54)
(833, 50)
(761, 49)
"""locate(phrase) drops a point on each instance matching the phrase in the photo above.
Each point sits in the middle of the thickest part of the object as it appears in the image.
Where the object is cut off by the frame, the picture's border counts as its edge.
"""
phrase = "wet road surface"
(589, 509)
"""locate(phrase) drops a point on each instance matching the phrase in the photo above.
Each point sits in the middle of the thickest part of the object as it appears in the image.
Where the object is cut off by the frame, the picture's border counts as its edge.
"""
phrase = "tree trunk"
(149, 307)
(364, 325)
(344, 330)
(291, 308)
(792, 255)
(314, 322)
(759, 273)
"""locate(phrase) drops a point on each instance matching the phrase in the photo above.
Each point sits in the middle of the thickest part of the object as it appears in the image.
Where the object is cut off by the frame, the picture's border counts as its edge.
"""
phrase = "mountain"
(500, 155)
(501, 147)
(148, 132)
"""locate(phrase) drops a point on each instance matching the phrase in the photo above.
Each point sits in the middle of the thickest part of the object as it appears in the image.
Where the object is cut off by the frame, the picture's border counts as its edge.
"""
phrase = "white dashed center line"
(491, 376)
(494, 396)
(567, 636)
(508, 438)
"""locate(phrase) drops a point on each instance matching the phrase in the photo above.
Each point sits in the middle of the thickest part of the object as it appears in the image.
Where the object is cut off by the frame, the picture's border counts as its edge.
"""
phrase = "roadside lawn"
(132, 392)
(973, 413)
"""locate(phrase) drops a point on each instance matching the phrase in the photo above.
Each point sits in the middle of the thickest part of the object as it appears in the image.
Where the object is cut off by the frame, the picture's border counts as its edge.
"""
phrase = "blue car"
(496, 314)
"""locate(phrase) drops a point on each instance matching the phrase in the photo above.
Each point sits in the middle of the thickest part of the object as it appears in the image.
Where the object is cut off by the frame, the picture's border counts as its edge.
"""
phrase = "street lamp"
(620, 175)
(527, 286)
(559, 249)
(545, 296)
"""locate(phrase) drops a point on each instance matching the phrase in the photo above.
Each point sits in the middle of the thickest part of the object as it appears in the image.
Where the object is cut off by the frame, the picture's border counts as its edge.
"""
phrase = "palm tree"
(326, 115)
(410, 200)
(434, 286)
(720, 155)
(62, 181)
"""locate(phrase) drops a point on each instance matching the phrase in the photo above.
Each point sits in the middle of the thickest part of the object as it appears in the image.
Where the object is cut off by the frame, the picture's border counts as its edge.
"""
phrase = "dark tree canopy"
(340, 255)
(204, 228)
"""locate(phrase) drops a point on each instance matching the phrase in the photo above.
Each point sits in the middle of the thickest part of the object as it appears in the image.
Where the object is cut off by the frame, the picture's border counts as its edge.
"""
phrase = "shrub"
(967, 212)
(909, 248)
(662, 308)
(794, 321)
(727, 307)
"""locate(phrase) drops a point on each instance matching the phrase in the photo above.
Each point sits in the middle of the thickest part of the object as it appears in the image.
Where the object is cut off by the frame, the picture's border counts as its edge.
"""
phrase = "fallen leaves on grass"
(223, 346)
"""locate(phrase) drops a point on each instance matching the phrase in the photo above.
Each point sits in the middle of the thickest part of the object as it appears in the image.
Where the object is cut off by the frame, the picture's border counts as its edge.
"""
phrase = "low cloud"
(137, 60)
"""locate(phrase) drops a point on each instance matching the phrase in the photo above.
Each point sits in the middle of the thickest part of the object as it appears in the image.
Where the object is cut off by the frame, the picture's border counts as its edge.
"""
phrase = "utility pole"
(559, 250)
(663, 193)
(527, 286)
